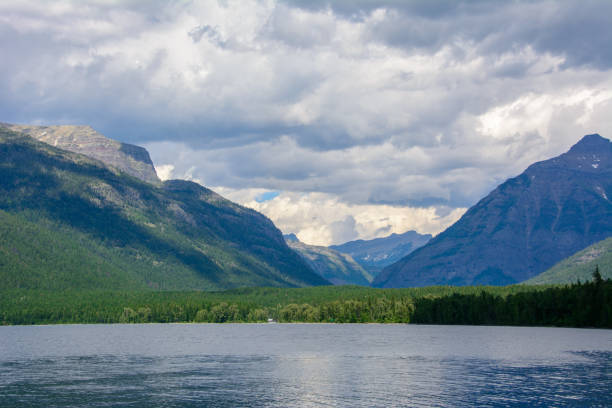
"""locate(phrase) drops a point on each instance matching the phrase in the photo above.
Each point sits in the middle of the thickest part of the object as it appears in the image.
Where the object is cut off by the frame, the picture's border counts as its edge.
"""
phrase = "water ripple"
(256, 367)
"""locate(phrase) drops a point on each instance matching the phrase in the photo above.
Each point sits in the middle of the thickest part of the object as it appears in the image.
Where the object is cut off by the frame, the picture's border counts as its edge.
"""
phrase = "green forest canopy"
(579, 305)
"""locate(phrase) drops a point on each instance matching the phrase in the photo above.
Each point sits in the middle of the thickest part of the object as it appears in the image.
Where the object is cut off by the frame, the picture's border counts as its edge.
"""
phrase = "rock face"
(69, 221)
(526, 225)
(375, 254)
(131, 159)
(336, 267)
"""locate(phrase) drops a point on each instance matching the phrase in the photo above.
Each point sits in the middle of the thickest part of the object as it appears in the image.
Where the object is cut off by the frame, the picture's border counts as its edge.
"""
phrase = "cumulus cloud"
(164, 171)
(324, 219)
(375, 105)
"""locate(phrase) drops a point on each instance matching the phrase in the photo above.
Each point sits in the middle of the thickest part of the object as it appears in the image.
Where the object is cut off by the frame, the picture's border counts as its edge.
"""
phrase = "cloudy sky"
(341, 120)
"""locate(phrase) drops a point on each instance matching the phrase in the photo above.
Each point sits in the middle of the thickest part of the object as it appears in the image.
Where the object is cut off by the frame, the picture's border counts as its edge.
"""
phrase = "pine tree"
(597, 276)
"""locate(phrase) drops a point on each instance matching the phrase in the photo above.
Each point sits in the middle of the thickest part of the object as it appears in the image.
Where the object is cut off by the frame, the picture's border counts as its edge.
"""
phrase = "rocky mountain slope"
(580, 266)
(334, 266)
(375, 254)
(131, 159)
(69, 221)
(526, 225)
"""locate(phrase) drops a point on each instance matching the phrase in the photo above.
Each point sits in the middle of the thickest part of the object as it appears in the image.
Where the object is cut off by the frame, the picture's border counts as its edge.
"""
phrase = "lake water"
(303, 365)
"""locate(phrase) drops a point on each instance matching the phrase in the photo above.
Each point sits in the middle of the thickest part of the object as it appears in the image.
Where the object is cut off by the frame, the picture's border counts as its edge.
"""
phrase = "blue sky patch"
(267, 196)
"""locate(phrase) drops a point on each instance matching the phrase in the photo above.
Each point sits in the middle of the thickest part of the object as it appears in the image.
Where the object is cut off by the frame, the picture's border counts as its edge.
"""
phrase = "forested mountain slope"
(69, 221)
(580, 266)
(336, 267)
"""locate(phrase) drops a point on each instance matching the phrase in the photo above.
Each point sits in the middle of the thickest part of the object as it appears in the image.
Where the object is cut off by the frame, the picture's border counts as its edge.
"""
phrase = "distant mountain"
(375, 254)
(580, 266)
(291, 238)
(69, 221)
(131, 159)
(336, 267)
(523, 227)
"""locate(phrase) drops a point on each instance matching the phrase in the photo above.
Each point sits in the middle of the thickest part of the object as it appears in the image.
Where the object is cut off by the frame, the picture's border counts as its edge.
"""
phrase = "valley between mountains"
(81, 211)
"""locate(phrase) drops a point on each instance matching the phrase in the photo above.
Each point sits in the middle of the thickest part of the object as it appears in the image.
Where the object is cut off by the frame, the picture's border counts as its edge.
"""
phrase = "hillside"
(375, 254)
(336, 267)
(69, 221)
(526, 225)
(131, 159)
(579, 266)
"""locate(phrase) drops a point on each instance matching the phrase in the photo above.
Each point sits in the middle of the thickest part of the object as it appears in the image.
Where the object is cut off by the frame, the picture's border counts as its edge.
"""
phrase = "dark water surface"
(303, 365)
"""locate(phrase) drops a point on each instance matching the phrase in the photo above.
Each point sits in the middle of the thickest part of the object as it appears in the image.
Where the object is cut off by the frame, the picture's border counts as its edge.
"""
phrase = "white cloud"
(394, 108)
(323, 219)
(535, 112)
(164, 171)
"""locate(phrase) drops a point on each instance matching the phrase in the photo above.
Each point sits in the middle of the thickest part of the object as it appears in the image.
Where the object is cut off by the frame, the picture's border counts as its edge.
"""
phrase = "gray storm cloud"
(388, 105)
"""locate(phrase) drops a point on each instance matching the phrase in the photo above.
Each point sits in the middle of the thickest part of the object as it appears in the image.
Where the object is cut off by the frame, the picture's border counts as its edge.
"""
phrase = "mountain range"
(79, 210)
(69, 220)
(375, 254)
(526, 225)
(336, 267)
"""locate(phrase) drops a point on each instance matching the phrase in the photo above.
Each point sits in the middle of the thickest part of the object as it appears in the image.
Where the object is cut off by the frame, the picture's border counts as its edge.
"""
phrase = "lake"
(303, 365)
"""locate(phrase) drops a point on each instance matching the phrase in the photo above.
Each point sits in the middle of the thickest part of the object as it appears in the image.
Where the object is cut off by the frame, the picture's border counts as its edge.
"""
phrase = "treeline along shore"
(577, 305)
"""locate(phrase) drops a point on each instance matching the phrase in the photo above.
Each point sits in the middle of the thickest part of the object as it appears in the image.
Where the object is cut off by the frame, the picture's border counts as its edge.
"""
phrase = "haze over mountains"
(526, 225)
(335, 266)
(375, 254)
(357, 262)
(70, 221)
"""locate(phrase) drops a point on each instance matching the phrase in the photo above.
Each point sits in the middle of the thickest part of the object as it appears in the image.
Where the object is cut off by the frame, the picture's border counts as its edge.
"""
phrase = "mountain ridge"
(176, 235)
(83, 139)
(524, 226)
(375, 254)
(334, 266)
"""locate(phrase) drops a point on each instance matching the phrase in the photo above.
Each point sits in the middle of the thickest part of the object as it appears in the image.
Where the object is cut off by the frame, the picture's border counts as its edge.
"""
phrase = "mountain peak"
(592, 154)
(593, 143)
(523, 227)
(83, 139)
(291, 237)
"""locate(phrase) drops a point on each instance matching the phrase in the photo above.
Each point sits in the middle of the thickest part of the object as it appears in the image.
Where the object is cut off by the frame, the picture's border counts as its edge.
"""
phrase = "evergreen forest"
(586, 304)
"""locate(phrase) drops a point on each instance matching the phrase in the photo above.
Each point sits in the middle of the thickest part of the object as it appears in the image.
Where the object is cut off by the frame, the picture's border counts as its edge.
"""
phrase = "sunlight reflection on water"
(178, 365)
